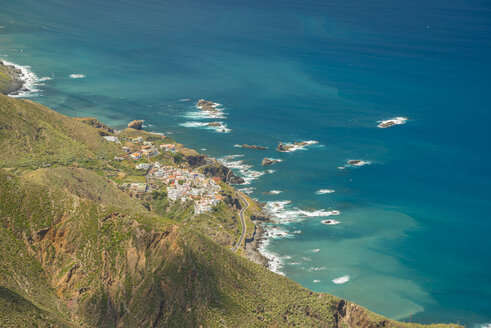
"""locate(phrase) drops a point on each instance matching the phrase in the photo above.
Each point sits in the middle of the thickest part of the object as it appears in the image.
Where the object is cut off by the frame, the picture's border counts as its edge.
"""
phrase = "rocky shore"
(252, 244)
(11, 79)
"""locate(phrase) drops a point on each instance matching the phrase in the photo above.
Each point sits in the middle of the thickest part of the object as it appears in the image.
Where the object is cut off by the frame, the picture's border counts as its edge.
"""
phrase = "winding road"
(242, 220)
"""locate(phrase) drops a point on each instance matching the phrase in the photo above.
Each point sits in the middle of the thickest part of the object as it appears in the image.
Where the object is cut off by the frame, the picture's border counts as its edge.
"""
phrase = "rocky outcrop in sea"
(207, 105)
(268, 161)
(253, 147)
(290, 147)
(136, 124)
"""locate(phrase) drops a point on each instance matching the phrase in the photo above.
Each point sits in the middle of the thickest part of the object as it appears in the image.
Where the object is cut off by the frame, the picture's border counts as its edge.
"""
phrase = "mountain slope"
(33, 135)
(81, 252)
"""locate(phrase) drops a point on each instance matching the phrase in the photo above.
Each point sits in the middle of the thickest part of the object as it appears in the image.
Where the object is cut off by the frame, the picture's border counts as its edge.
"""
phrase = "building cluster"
(147, 149)
(184, 185)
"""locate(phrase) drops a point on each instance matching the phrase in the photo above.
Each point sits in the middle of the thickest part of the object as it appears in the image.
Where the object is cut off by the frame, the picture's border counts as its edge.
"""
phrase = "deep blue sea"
(414, 232)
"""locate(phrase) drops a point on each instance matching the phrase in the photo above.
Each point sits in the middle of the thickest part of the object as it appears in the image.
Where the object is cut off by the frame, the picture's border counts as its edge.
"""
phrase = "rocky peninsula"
(11, 79)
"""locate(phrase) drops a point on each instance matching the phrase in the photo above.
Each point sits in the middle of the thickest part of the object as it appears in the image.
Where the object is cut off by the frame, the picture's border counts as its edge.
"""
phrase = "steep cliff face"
(103, 129)
(223, 172)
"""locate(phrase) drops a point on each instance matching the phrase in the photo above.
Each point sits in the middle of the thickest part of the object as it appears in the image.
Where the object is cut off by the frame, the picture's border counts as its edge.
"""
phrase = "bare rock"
(136, 124)
(253, 147)
(268, 162)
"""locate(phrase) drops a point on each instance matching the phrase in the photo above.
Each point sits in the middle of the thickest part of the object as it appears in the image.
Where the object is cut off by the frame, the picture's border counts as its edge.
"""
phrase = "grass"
(78, 251)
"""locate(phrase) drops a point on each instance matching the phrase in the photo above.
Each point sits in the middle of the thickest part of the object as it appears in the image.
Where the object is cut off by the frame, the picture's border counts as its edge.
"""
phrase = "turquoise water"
(414, 228)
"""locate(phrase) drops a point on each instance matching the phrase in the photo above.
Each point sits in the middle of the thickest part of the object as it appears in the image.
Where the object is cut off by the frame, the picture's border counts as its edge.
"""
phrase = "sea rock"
(253, 147)
(284, 148)
(206, 105)
(136, 124)
(267, 161)
(288, 147)
(355, 162)
(386, 124)
(214, 124)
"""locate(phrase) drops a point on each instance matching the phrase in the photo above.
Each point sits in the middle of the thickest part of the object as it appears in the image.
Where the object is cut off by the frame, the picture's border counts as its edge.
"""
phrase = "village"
(182, 184)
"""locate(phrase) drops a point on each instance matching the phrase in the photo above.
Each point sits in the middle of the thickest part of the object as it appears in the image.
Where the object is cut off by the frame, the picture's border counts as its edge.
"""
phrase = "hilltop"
(79, 249)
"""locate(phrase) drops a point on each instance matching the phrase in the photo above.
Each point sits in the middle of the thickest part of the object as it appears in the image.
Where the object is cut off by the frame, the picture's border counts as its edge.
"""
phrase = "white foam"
(244, 170)
(248, 190)
(324, 191)
(484, 325)
(193, 124)
(275, 261)
(45, 78)
(341, 280)
(317, 250)
(186, 99)
(361, 163)
(30, 81)
(274, 192)
(317, 268)
(77, 76)
(204, 115)
(297, 232)
(299, 147)
(283, 214)
(396, 121)
(319, 213)
(317, 281)
(330, 222)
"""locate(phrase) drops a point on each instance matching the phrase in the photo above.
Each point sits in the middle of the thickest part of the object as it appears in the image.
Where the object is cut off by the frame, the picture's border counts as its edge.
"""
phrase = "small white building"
(112, 139)
(143, 166)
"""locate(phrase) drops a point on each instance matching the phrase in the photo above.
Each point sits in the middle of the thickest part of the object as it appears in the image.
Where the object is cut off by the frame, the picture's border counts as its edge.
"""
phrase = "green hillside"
(78, 251)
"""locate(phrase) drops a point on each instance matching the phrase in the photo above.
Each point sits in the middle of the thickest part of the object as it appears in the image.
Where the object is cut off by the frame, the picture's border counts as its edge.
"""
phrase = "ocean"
(408, 234)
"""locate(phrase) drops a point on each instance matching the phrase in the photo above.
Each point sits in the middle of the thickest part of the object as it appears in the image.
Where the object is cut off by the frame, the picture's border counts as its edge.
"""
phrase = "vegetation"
(77, 251)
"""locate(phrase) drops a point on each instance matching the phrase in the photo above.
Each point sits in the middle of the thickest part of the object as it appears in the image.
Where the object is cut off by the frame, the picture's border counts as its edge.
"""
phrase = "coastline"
(18, 80)
(22, 83)
(253, 245)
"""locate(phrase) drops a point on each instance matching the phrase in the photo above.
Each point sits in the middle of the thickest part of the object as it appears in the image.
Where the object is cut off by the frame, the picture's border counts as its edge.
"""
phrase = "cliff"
(9, 79)
(77, 251)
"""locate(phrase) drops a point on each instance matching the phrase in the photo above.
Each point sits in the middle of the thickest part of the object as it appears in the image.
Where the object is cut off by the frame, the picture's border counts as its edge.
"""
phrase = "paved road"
(244, 230)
